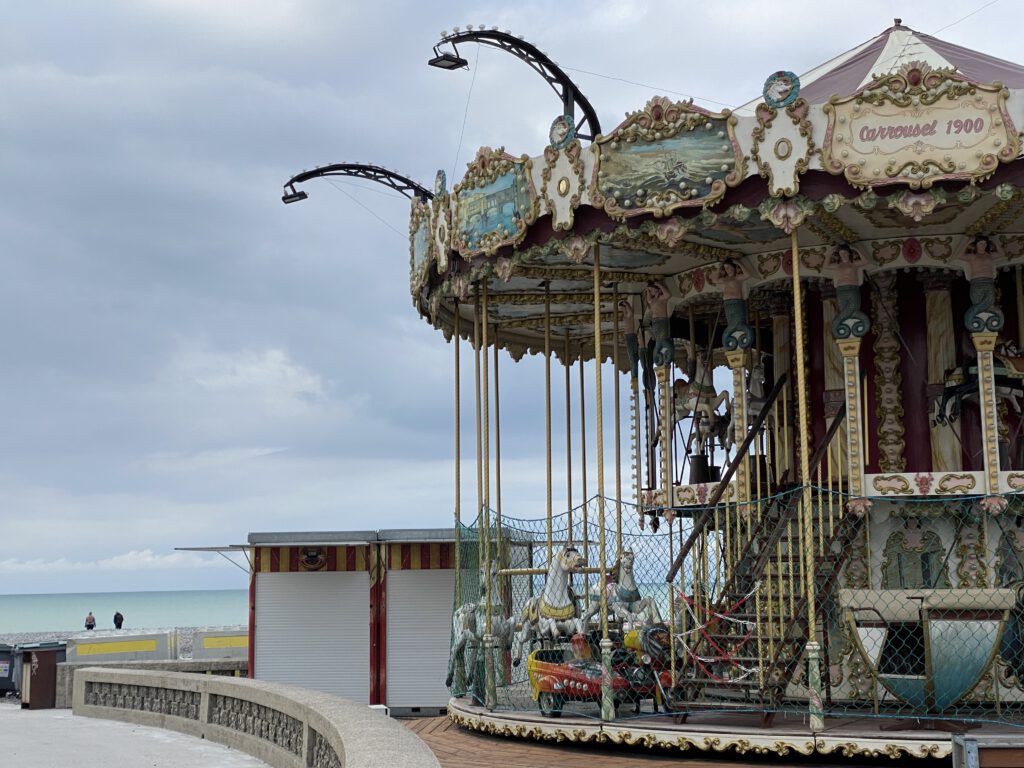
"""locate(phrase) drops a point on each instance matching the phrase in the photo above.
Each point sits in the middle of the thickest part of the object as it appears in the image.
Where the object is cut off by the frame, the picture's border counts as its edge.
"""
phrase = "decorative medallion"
(563, 132)
(562, 176)
(781, 89)
(667, 156)
(420, 249)
(791, 145)
(441, 221)
(494, 203)
(918, 126)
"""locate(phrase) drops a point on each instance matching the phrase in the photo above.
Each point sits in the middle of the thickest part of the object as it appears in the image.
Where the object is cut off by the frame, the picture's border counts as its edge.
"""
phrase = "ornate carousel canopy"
(903, 148)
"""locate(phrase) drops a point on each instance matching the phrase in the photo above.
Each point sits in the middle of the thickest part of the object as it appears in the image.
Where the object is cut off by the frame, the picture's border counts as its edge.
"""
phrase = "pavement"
(54, 738)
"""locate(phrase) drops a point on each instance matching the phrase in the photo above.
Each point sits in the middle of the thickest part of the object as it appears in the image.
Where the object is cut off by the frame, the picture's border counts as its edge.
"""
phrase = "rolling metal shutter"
(313, 630)
(419, 626)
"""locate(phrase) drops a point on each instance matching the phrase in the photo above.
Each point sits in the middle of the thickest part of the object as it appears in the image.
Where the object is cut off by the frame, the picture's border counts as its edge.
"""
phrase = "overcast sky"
(187, 359)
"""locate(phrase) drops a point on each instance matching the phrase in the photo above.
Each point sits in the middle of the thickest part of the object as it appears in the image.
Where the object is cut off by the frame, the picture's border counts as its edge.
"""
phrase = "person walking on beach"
(90, 621)
(118, 620)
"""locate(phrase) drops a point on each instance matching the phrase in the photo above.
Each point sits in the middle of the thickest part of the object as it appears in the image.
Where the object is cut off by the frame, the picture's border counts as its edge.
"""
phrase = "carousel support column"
(459, 683)
(497, 453)
(834, 386)
(849, 326)
(817, 722)
(607, 698)
(490, 692)
(984, 319)
(985, 343)
(738, 360)
(888, 378)
(738, 337)
(618, 428)
(547, 408)
(568, 443)
(941, 340)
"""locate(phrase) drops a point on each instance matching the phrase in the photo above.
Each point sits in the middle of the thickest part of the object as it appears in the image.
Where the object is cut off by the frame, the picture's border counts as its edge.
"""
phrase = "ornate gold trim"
(487, 167)
(662, 119)
(903, 98)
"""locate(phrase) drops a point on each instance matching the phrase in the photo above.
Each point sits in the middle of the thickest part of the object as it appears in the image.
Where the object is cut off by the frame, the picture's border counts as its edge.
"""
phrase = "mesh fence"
(913, 607)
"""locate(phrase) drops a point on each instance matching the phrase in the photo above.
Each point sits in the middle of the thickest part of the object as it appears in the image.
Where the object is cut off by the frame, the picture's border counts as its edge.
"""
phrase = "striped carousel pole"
(607, 699)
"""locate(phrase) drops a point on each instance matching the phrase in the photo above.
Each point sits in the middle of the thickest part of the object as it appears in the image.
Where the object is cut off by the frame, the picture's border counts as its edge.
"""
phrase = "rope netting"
(914, 607)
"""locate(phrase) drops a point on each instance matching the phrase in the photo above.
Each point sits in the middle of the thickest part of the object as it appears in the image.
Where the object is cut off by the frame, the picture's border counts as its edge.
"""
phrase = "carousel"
(801, 324)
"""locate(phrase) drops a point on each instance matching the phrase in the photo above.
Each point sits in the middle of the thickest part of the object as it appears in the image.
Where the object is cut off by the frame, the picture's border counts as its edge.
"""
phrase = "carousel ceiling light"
(447, 60)
(293, 196)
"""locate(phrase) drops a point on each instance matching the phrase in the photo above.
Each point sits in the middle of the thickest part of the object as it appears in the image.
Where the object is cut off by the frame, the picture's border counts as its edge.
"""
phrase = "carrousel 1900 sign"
(919, 126)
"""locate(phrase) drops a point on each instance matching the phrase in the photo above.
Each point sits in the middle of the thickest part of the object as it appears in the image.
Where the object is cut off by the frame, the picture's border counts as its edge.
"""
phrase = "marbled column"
(946, 453)
(984, 343)
(888, 379)
(738, 359)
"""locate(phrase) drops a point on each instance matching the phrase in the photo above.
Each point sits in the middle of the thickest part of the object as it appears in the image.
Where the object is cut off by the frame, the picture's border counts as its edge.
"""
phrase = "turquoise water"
(141, 610)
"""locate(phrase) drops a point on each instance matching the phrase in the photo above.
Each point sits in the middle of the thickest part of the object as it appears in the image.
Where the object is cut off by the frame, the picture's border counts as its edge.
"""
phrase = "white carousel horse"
(468, 624)
(699, 398)
(623, 597)
(756, 398)
(555, 611)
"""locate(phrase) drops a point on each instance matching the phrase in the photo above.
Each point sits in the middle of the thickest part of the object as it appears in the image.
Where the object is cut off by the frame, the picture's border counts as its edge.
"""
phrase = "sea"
(65, 613)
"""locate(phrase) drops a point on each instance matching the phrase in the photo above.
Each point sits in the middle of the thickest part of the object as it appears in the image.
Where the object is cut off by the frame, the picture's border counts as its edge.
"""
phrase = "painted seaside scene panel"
(420, 247)
(495, 213)
(688, 162)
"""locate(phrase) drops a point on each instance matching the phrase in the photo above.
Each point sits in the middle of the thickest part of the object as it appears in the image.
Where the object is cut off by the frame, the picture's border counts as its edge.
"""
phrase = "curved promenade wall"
(282, 725)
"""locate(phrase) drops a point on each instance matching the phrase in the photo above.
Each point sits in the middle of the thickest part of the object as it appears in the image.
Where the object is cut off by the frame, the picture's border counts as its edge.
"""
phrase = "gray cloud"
(186, 359)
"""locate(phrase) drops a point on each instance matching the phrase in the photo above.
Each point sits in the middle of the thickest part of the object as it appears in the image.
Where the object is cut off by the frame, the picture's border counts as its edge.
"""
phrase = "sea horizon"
(64, 612)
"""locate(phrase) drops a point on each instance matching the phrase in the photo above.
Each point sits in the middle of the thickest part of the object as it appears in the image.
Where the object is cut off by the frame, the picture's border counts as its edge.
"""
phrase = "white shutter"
(313, 630)
(419, 627)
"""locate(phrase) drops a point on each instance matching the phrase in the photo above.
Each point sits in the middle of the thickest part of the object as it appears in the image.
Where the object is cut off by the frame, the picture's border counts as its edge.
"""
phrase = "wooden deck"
(456, 747)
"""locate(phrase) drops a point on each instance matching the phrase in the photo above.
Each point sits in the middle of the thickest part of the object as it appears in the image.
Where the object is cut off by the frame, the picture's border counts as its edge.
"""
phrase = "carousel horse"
(468, 624)
(623, 596)
(699, 398)
(961, 383)
(555, 611)
(756, 398)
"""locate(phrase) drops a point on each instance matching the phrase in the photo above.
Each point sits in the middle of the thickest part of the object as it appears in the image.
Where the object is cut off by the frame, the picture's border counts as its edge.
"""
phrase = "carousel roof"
(904, 147)
(891, 50)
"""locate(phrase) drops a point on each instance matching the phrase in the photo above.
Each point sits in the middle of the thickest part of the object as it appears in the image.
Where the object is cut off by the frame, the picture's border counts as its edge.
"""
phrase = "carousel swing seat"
(927, 647)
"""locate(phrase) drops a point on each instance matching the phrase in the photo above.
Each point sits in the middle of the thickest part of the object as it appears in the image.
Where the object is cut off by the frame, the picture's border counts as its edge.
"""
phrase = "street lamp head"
(447, 60)
(291, 195)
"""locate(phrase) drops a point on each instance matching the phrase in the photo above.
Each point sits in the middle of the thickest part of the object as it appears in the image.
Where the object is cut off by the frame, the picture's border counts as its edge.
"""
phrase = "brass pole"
(547, 410)
(458, 461)
(1020, 305)
(607, 702)
(814, 671)
(490, 695)
(568, 440)
(618, 432)
(583, 470)
(479, 436)
(497, 452)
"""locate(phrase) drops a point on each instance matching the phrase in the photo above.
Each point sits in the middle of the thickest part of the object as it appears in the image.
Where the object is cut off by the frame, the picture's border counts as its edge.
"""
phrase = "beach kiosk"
(365, 615)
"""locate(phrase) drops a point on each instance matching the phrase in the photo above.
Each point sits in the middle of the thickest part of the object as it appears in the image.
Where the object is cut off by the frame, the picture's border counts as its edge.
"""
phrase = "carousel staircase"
(751, 641)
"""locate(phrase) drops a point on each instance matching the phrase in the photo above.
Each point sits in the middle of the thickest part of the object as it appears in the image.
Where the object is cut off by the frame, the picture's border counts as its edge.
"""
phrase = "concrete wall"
(120, 645)
(282, 725)
(66, 671)
(220, 644)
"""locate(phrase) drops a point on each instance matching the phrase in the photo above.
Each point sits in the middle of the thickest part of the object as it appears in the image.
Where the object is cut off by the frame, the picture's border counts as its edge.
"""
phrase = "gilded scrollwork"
(630, 182)
(917, 126)
(562, 182)
(494, 203)
(784, 154)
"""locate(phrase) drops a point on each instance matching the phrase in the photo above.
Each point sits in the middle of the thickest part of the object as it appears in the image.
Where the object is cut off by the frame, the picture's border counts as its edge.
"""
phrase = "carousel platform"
(742, 734)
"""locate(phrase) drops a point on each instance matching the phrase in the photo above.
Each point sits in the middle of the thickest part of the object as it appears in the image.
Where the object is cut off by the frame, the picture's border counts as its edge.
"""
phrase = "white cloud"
(136, 560)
